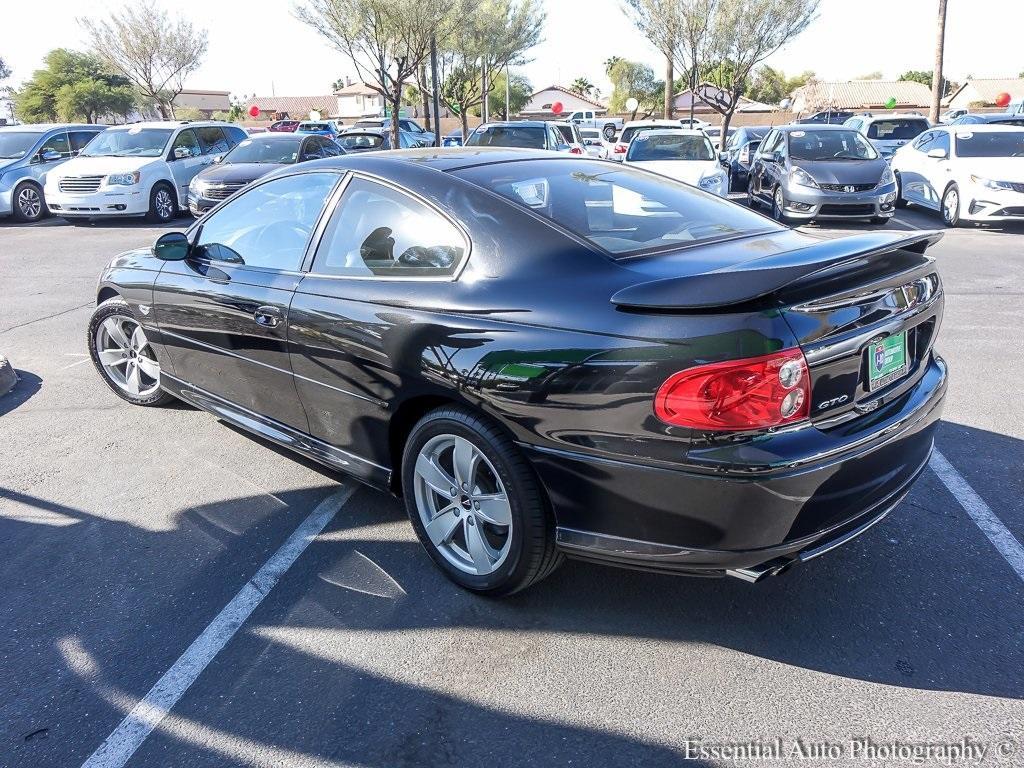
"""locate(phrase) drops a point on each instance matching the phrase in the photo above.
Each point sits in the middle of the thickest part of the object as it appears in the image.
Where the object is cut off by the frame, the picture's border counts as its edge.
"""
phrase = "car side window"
(379, 231)
(235, 136)
(79, 139)
(923, 142)
(766, 145)
(58, 143)
(941, 142)
(555, 137)
(310, 150)
(268, 226)
(186, 140)
(328, 148)
(212, 140)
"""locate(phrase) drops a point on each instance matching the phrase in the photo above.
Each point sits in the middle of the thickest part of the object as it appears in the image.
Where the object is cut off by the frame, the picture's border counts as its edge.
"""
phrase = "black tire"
(752, 202)
(729, 182)
(118, 307)
(951, 218)
(609, 132)
(778, 212)
(159, 213)
(532, 555)
(900, 202)
(27, 202)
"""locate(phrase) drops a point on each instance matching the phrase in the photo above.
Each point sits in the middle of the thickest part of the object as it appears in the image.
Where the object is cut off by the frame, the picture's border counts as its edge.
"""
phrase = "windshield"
(131, 142)
(16, 144)
(1001, 144)
(670, 147)
(896, 130)
(359, 141)
(623, 210)
(507, 136)
(314, 127)
(845, 144)
(368, 124)
(265, 151)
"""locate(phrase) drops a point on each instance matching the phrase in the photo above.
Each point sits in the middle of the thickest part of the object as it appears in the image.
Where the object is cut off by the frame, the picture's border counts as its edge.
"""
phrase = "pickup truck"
(586, 118)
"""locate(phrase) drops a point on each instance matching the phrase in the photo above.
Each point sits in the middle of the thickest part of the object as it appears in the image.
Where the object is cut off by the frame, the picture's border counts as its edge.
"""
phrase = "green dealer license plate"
(887, 361)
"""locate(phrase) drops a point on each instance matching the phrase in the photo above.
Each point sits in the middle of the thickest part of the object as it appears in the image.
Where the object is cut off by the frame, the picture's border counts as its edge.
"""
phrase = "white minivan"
(142, 169)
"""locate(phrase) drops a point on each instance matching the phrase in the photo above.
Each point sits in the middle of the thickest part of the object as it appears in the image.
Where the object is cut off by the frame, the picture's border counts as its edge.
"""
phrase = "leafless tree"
(386, 40)
(152, 50)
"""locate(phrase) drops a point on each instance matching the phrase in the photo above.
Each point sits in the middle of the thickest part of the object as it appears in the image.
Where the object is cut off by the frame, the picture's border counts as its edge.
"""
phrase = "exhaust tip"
(756, 573)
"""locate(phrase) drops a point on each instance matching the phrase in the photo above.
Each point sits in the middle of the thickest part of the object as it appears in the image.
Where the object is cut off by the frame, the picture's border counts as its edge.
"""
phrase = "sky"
(260, 48)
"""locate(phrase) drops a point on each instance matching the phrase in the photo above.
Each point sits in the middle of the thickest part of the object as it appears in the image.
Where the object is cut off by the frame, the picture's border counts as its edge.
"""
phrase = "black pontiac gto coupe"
(548, 355)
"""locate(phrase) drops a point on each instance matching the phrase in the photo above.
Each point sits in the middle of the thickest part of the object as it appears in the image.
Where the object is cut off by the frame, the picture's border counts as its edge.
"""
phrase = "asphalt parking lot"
(127, 533)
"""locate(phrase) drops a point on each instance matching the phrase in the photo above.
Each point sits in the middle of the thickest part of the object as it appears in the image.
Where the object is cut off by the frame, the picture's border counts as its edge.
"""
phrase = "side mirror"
(937, 154)
(49, 155)
(180, 153)
(723, 158)
(217, 159)
(171, 246)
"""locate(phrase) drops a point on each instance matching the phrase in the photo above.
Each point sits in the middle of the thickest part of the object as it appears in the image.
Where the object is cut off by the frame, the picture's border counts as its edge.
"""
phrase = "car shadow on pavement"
(28, 384)
(920, 601)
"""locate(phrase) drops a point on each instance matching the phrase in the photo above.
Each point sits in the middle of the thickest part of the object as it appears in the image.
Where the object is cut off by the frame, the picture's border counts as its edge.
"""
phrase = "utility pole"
(435, 89)
(669, 96)
(940, 45)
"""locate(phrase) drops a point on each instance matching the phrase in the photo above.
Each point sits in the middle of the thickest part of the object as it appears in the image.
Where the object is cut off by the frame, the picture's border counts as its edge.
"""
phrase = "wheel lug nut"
(454, 491)
(472, 521)
(465, 486)
(477, 505)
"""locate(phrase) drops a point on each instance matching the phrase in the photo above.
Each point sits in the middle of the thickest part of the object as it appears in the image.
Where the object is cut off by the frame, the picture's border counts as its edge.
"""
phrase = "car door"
(79, 138)
(908, 164)
(762, 166)
(353, 342)
(223, 312)
(185, 159)
(53, 151)
(936, 172)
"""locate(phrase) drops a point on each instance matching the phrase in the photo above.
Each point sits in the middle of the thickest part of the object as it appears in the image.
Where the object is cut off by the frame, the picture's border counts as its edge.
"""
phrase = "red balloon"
(254, 111)
(1003, 100)
(556, 108)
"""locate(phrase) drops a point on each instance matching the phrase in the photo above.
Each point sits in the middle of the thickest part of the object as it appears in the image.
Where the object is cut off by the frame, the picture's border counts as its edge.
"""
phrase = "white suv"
(142, 169)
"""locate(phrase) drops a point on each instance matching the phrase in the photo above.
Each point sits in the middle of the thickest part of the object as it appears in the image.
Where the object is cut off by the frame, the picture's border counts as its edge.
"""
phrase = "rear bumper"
(688, 521)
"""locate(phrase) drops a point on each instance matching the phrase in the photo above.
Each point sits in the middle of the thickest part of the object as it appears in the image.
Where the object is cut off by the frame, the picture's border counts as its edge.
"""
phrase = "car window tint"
(941, 142)
(623, 210)
(187, 139)
(378, 231)
(269, 225)
(899, 129)
(310, 150)
(235, 136)
(58, 143)
(212, 140)
(79, 139)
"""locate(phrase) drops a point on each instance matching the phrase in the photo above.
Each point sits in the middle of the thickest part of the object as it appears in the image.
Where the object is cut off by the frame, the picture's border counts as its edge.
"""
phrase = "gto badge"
(833, 402)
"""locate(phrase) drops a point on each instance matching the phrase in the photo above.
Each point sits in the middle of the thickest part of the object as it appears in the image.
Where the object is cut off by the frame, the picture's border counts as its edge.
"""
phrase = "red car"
(284, 126)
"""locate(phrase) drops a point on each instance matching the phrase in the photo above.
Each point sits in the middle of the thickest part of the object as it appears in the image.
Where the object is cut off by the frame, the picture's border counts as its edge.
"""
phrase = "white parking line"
(980, 513)
(120, 745)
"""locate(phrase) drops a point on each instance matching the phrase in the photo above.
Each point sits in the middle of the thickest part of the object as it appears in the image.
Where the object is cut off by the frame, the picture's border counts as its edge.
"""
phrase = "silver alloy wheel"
(126, 356)
(463, 504)
(780, 203)
(950, 205)
(29, 202)
(163, 203)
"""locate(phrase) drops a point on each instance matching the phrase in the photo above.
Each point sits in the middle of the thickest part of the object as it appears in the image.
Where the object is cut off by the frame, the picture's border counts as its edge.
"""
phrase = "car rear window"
(629, 133)
(896, 130)
(681, 146)
(528, 137)
(625, 211)
(361, 141)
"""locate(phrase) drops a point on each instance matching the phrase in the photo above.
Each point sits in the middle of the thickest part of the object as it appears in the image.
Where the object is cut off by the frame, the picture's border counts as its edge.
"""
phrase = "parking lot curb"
(8, 378)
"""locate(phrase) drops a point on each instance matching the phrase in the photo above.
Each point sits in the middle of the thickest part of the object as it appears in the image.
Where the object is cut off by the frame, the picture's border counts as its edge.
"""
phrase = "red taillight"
(620, 149)
(754, 393)
(575, 151)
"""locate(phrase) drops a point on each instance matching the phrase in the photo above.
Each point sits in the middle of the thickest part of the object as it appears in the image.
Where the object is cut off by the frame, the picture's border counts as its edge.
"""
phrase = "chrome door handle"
(268, 317)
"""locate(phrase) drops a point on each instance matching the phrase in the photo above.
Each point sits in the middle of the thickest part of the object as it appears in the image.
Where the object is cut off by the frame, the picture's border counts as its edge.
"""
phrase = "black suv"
(739, 154)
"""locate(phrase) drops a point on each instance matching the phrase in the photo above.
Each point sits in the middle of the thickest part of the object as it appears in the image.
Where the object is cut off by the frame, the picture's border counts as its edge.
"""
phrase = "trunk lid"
(842, 298)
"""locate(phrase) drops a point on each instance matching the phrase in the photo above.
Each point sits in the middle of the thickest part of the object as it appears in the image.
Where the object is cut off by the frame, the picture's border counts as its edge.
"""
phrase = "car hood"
(102, 166)
(995, 168)
(689, 171)
(8, 163)
(843, 171)
(235, 172)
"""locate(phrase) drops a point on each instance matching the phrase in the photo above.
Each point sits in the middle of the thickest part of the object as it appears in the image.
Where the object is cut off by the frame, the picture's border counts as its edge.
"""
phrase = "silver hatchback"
(27, 154)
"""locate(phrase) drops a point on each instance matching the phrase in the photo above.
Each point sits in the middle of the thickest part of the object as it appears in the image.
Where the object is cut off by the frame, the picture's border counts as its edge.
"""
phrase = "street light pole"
(436, 89)
(940, 45)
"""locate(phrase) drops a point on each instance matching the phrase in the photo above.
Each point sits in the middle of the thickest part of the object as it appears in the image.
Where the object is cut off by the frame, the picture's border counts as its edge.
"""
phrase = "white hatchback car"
(966, 172)
(142, 169)
(684, 155)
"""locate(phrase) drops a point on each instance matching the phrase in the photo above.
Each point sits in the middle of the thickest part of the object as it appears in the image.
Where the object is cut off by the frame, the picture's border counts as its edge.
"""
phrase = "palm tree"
(581, 86)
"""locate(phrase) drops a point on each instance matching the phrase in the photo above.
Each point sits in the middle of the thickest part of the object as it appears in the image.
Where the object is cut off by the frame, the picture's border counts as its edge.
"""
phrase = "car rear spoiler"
(757, 278)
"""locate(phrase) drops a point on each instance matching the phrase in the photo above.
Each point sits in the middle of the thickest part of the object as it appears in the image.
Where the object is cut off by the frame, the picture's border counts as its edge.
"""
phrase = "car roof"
(174, 124)
(889, 116)
(44, 127)
(518, 123)
(277, 135)
(668, 131)
(980, 128)
(442, 159)
(636, 123)
(805, 127)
